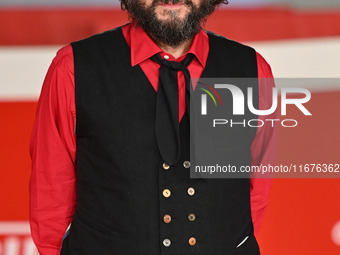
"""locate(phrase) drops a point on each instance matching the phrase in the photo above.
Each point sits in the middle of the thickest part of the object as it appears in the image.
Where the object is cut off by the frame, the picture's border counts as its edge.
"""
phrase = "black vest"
(120, 175)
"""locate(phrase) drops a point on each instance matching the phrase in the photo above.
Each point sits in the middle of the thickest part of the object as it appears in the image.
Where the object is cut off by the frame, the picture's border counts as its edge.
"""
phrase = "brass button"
(192, 241)
(191, 191)
(166, 193)
(191, 217)
(186, 164)
(166, 166)
(167, 218)
(166, 242)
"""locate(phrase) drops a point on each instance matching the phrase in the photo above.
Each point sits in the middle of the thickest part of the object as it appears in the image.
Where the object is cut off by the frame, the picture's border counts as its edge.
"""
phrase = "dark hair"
(123, 3)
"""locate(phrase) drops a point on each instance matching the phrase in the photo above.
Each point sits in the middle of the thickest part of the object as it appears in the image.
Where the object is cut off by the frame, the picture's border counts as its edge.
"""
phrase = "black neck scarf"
(167, 116)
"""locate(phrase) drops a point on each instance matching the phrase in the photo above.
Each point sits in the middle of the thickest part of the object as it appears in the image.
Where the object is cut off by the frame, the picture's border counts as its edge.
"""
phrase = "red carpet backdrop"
(303, 216)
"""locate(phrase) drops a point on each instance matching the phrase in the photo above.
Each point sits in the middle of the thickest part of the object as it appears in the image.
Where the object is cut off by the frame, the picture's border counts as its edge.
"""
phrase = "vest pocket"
(243, 241)
(248, 246)
(91, 226)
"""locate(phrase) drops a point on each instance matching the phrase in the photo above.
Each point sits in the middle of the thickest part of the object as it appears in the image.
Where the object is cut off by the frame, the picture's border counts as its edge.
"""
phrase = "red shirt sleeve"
(52, 150)
(264, 146)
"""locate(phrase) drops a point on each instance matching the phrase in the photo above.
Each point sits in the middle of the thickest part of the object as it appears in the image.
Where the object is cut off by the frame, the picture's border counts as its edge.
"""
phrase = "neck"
(178, 50)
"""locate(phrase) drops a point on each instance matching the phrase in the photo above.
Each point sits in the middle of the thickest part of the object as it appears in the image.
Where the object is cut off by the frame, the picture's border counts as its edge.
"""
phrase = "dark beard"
(174, 31)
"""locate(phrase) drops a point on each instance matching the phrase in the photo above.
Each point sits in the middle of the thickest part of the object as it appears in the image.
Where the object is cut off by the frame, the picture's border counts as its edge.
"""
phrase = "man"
(101, 155)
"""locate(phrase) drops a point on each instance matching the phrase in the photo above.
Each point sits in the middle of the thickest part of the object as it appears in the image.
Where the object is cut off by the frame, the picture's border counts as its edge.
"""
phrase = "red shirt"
(53, 141)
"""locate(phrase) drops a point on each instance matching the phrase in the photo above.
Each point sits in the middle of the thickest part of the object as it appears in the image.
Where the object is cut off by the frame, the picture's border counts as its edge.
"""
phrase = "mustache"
(186, 2)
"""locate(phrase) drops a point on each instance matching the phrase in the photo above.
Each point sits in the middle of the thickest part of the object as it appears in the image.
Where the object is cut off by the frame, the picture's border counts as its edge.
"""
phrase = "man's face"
(170, 21)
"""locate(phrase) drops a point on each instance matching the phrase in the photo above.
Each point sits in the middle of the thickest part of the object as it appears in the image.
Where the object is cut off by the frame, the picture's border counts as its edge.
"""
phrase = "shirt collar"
(143, 47)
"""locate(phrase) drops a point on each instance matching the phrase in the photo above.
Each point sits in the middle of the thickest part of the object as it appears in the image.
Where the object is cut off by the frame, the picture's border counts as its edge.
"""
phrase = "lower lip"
(171, 5)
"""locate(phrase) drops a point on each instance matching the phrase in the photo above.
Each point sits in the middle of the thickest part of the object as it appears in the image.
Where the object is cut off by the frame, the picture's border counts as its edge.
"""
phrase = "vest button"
(166, 166)
(191, 191)
(191, 217)
(192, 241)
(186, 164)
(167, 218)
(166, 193)
(166, 242)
